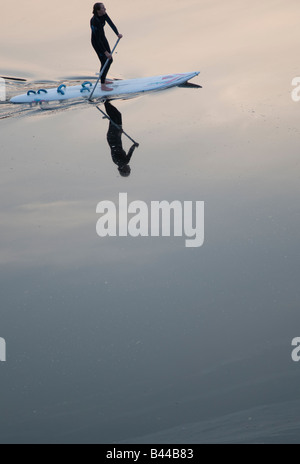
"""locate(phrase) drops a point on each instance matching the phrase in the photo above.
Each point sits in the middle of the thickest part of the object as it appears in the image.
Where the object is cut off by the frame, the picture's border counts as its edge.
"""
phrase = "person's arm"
(114, 28)
(130, 153)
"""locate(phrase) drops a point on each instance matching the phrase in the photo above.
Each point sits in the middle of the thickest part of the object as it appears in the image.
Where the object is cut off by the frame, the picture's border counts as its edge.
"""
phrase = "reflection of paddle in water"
(114, 138)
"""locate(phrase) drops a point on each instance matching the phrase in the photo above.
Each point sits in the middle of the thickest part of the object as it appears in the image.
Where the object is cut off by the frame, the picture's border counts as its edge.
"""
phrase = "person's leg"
(113, 113)
(103, 60)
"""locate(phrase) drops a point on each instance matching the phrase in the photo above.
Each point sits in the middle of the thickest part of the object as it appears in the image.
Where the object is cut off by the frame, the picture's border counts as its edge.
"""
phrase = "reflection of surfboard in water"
(121, 89)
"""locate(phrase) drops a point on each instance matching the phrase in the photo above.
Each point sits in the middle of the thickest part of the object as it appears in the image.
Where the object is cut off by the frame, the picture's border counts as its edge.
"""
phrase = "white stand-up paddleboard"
(121, 89)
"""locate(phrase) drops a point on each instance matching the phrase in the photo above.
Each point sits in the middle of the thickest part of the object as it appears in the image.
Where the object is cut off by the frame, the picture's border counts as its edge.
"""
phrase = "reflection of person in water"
(114, 138)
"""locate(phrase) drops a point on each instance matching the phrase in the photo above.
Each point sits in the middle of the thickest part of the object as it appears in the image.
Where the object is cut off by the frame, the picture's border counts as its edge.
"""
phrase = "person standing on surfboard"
(99, 41)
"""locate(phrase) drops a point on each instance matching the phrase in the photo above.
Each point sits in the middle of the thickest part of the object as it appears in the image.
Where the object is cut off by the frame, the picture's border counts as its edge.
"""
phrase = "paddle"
(13, 78)
(118, 127)
(103, 69)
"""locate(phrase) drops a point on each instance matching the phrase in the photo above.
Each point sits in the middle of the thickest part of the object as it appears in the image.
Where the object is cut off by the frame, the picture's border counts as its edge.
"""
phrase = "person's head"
(125, 170)
(99, 9)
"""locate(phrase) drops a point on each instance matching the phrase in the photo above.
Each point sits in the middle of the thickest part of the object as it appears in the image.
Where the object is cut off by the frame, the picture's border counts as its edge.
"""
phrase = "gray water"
(121, 339)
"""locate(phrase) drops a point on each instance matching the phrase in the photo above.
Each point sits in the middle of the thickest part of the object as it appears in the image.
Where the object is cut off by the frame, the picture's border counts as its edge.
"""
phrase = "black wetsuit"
(99, 41)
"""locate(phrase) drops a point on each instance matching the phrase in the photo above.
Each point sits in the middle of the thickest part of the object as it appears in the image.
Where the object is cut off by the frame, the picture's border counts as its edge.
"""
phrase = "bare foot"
(108, 81)
(104, 88)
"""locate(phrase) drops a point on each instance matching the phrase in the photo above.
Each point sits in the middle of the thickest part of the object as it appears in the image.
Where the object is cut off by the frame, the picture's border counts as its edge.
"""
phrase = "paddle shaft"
(103, 69)
(13, 78)
(116, 125)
